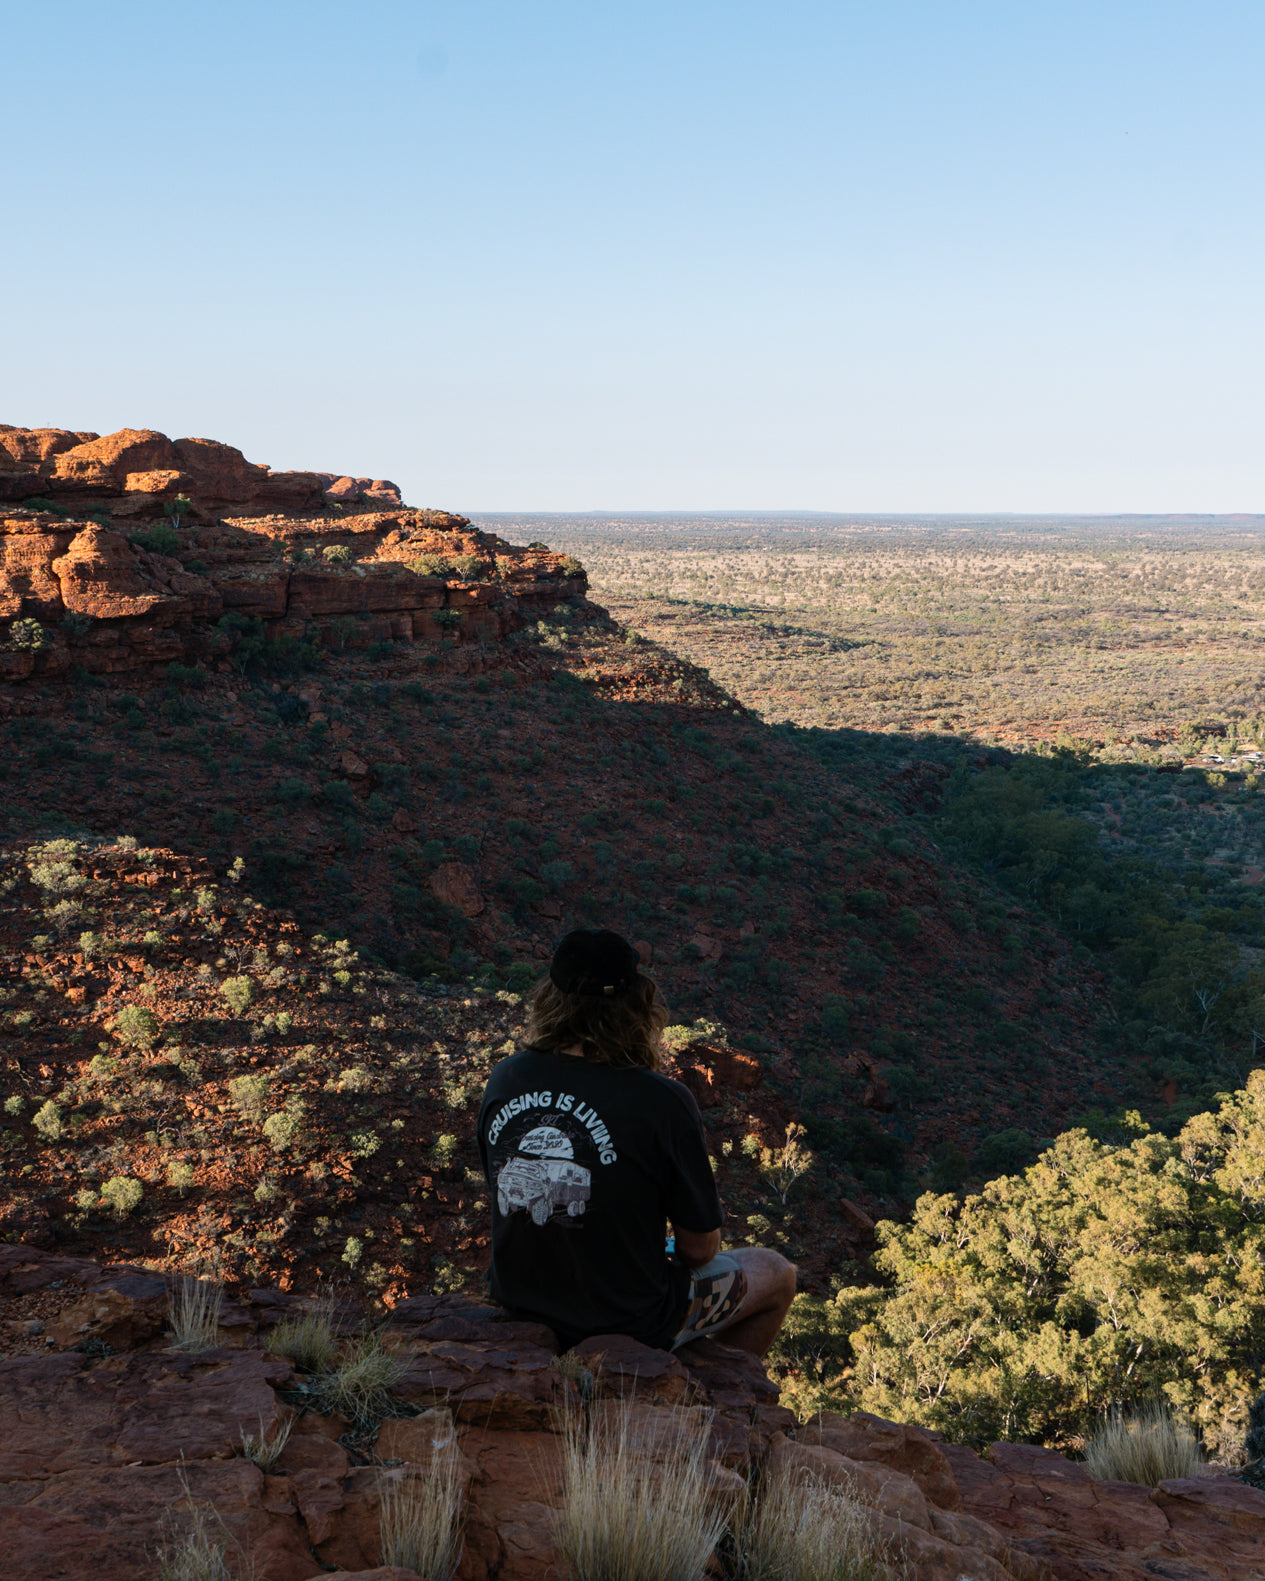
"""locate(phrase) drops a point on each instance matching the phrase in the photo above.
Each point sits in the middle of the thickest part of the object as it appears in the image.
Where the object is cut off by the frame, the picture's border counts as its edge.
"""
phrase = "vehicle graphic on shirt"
(543, 1178)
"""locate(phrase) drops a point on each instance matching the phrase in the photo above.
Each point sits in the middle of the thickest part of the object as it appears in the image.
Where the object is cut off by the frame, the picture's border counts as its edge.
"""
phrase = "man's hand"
(696, 1248)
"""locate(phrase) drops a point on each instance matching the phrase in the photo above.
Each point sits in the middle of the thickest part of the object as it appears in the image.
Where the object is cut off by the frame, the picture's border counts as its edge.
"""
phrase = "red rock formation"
(315, 555)
(95, 1445)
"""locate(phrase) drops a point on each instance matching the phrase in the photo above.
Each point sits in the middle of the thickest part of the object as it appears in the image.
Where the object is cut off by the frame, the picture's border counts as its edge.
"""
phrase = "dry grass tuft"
(625, 1516)
(359, 1387)
(264, 1448)
(421, 1515)
(193, 1311)
(197, 1544)
(1149, 1446)
(800, 1528)
(309, 1340)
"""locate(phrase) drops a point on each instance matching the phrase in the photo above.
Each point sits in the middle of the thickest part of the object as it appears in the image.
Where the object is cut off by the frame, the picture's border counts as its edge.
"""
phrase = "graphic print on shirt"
(542, 1153)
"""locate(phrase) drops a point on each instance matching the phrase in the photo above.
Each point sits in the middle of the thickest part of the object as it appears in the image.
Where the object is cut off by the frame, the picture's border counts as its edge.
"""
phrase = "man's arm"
(694, 1247)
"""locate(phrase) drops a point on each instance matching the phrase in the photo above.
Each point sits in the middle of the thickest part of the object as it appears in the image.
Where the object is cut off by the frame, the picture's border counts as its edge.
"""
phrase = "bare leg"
(770, 1291)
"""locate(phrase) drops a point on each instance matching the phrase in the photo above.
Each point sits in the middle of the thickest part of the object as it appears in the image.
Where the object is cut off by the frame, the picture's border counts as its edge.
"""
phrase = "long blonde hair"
(620, 1030)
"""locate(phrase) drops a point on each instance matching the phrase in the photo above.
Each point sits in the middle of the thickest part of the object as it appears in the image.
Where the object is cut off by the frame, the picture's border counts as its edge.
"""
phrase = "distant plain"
(1117, 631)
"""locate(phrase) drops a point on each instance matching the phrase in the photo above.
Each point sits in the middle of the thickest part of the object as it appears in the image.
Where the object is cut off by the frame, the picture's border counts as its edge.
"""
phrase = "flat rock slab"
(106, 1523)
(63, 1412)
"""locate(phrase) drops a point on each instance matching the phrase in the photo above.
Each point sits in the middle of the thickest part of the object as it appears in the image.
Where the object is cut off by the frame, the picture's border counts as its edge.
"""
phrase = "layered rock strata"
(130, 550)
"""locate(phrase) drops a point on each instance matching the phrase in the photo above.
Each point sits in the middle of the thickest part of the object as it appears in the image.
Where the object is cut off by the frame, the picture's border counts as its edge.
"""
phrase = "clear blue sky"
(570, 254)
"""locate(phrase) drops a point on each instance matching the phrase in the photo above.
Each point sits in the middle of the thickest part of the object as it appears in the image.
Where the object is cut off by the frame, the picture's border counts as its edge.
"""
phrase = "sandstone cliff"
(130, 550)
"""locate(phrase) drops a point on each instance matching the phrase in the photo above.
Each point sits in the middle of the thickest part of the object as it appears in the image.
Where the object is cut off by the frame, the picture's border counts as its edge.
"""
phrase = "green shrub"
(48, 1121)
(180, 1175)
(444, 1151)
(867, 902)
(160, 539)
(238, 993)
(122, 1194)
(248, 1092)
(836, 1017)
(453, 567)
(291, 792)
(1004, 1152)
(284, 1127)
(137, 1026)
(338, 553)
(28, 635)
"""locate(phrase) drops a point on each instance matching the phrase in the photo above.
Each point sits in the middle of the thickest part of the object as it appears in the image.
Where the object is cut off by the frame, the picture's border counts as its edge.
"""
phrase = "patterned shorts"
(717, 1293)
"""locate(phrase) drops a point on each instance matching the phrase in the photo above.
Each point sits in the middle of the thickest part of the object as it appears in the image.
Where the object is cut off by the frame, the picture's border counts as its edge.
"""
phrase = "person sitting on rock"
(590, 1151)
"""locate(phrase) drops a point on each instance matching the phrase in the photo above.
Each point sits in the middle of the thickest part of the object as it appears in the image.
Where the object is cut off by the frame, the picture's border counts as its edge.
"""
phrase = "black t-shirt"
(586, 1165)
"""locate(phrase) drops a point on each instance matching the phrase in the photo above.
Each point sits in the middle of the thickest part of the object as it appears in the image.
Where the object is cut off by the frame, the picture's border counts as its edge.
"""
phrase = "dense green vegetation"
(1110, 1271)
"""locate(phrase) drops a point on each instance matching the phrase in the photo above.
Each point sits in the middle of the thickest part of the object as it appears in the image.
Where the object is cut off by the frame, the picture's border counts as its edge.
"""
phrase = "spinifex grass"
(421, 1512)
(637, 1506)
(359, 1387)
(264, 1447)
(193, 1311)
(799, 1528)
(1149, 1446)
(308, 1340)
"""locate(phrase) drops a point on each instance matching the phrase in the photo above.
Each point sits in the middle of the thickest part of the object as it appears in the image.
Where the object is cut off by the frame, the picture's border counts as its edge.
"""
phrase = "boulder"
(456, 885)
(161, 482)
(220, 473)
(33, 445)
(624, 1367)
(102, 465)
(511, 1385)
(905, 1449)
(62, 1411)
(121, 1314)
(28, 583)
(100, 576)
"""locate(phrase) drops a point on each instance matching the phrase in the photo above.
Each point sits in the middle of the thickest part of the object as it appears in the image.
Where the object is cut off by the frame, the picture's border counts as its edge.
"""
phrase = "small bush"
(283, 1128)
(338, 553)
(248, 1092)
(238, 992)
(160, 539)
(122, 1195)
(137, 1026)
(28, 635)
(444, 1151)
(47, 1121)
(180, 1175)
(1149, 1446)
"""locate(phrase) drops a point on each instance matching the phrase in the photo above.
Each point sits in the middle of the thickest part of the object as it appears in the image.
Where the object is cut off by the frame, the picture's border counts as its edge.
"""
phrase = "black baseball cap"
(594, 961)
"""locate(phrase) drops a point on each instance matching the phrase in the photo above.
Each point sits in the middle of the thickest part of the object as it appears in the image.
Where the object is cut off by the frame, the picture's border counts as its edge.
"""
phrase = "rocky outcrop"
(1050, 1509)
(127, 550)
(109, 1439)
